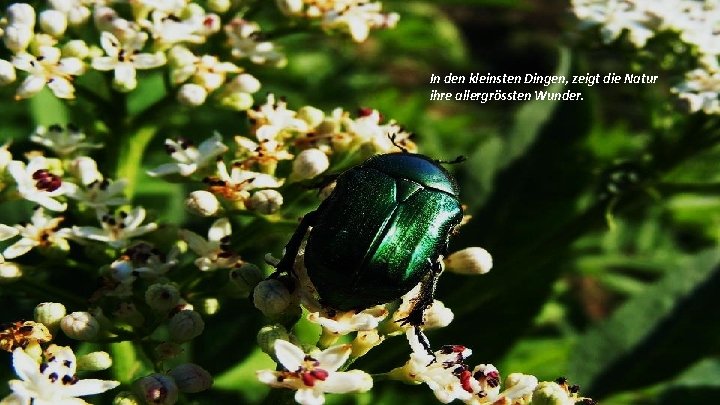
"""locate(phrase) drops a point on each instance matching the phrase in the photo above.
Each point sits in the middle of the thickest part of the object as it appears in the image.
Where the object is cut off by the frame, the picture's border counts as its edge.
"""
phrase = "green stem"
(130, 152)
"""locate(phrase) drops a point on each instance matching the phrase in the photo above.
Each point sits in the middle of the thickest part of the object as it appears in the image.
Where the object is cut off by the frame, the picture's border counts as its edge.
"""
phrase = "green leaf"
(668, 323)
(126, 365)
(46, 109)
(242, 377)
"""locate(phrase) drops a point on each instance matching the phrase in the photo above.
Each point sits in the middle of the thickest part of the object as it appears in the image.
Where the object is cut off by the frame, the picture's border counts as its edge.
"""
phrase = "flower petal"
(30, 86)
(289, 355)
(110, 44)
(149, 61)
(89, 387)
(19, 248)
(61, 87)
(104, 63)
(309, 397)
(350, 381)
(334, 357)
(219, 229)
(25, 366)
(164, 170)
(7, 232)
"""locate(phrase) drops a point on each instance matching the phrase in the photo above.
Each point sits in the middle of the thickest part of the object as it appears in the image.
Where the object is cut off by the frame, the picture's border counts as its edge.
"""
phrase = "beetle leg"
(416, 318)
(293, 246)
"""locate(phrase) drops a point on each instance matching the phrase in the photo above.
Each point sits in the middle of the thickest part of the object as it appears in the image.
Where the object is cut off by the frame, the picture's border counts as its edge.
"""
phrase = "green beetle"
(382, 230)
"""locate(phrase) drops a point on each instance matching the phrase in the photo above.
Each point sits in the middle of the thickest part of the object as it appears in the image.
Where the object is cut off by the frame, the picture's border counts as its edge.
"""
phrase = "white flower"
(125, 57)
(63, 141)
(41, 231)
(342, 323)
(701, 91)
(190, 158)
(273, 118)
(117, 230)
(358, 18)
(167, 29)
(207, 70)
(214, 251)
(518, 387)
(37, 184)
(244, 40)
(234, 185)
(53, 382)
(263, 153)
(314, 374)
(48, 68)
(437, 315)
(100, 194)
(444, 372)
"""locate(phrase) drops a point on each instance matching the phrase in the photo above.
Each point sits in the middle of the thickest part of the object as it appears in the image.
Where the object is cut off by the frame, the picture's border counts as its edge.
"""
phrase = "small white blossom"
(168, 29)
(7, 73)
(191, 94)
(37, 184)
(234, 185)
(274, 118)
(125, 57)
(117, 230)
(52, 382)
(314, 374)
(701, 91)
(41, 231)
(63, 141)
(203, 203)
(358, 18)
(244, 40)
(190, 158)
(214, 251)
(48, 68)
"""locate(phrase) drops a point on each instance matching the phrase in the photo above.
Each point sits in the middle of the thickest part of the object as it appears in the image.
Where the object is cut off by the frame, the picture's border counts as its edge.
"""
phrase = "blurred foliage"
(618, 292)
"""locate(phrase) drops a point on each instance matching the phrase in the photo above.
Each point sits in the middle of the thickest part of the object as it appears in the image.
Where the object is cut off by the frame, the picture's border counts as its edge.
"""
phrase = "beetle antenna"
(393, 139)
(455, 161)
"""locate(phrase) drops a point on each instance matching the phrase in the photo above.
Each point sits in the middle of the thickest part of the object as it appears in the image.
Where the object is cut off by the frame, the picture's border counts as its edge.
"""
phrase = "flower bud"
(50, 314)
(162, 297)
(168, 350)
(271, 297)
(265, 201)
(191, 378)
(80, 326)
(179, 56)
(17, 37)
(125, 398)
(267, 336)
(9, 272)
(85, 169)
(290, 7)
(219, 6)
(245, 83)
(185, 325)
(311, 115)
(94, 361)
(438, 316)
(53, 22)
(21, 14)
(309, 163)
(237, 101)
(7, 72)
(550, 393)
(518, 385)
(203, 203)
(246, 277)
(76, 48)
(472, 260)
(157, 389)
(191, 95)
(365, 341)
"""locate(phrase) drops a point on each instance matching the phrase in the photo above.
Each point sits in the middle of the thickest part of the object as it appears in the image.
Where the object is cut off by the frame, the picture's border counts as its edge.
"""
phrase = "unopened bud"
(245, 83)
(7, 72)
(203, 203)
(157, 389)
(168, 350)
(267, 336)
(17, 37)
(438, 316)
(185, 325)
(162, 297)
(21, 14)
(265, 201)
(9, 272)
(191, 95)
(191, 378)
(271, 297)
(311, 115)
(246, 277)
(94, 361)
(309, 163)
(53, 22)
(237, 101)
(518, 385)
(472, 260)
(80, 326)
(85, 169)
(76, 48)
(290, 7)
(50, 314)
(365, 341)
(125, 398)
(219, 6)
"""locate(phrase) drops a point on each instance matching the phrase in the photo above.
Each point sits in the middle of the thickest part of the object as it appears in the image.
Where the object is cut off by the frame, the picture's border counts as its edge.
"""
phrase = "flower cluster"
(694, 22)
